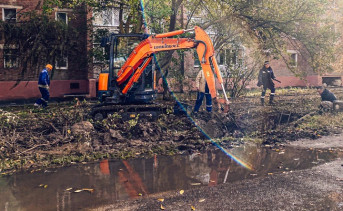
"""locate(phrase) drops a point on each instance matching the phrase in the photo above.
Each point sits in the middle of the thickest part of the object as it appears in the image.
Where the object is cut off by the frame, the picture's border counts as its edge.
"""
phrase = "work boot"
(262, 101)
(194, 114)
(36, 105)
(271, 98)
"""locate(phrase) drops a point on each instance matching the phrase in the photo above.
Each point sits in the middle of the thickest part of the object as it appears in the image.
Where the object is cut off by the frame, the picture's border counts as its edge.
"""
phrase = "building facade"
(78, 74)
(71, 72)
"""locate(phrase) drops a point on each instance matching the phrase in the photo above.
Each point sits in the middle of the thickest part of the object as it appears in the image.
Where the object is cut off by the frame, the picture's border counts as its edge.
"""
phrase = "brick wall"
(77, 63)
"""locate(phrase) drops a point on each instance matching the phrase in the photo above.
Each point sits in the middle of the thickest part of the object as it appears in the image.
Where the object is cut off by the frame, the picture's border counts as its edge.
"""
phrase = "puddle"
(109, 181)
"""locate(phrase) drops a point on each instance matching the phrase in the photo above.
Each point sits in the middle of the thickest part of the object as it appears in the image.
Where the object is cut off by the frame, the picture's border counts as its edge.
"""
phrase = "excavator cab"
(120, 47)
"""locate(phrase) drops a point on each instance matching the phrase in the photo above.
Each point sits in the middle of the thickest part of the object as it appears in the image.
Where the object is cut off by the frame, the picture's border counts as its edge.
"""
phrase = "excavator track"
(130, 111)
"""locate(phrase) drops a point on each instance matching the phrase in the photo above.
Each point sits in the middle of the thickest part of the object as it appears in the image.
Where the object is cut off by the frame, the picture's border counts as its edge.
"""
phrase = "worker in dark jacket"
(44, 85)
(328, 99)
(265, 79)
(326, 95)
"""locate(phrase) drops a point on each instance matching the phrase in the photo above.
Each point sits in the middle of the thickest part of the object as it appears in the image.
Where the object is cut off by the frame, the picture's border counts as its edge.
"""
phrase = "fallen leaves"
(90, 190)
(161, 200)
(42, 186)
(182, 191)
(201, 200)
(162, 208)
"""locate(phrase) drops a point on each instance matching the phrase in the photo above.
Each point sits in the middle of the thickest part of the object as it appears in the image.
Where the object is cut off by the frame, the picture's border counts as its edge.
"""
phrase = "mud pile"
(65, 133)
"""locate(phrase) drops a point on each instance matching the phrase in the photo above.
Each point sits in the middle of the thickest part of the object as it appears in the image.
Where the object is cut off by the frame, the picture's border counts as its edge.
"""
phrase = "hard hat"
(49, 66)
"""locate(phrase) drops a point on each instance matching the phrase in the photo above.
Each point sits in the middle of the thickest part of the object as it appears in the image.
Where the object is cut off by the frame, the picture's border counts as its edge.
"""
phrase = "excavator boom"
(134, 66)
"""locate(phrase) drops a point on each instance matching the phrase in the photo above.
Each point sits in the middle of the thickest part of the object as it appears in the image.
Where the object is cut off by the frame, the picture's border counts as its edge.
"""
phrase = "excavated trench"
(237, 126)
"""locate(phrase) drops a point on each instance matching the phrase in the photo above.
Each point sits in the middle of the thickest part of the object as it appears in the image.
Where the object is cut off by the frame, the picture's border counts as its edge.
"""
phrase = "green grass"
(282, 91)
(317, 122)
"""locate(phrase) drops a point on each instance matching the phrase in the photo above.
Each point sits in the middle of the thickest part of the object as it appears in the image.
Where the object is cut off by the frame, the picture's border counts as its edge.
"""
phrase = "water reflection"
(122, 180)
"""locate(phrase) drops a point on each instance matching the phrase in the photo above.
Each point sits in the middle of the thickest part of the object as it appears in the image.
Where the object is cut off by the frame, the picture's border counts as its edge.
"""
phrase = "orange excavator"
(131, 77)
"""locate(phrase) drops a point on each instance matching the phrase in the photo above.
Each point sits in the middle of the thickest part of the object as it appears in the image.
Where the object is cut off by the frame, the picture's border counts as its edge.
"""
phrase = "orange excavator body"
(162, 42)
(126, 83)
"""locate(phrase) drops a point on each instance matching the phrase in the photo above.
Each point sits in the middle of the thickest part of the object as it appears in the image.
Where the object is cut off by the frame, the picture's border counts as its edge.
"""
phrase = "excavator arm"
(141, 56)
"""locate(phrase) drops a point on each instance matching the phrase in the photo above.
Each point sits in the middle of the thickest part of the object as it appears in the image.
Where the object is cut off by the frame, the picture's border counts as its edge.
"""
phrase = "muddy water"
(106, 182)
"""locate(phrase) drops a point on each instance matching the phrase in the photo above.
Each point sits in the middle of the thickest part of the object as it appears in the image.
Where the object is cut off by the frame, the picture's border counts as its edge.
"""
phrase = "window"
(9, 15)
(62, 62)
(62, 17)
(293, 58)
(108, 17)
(11, 58)
(227, 57)
(221, 59)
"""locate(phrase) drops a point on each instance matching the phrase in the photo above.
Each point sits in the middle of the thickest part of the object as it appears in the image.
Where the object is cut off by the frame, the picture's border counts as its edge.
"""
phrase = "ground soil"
(65, 133)
(333, 141)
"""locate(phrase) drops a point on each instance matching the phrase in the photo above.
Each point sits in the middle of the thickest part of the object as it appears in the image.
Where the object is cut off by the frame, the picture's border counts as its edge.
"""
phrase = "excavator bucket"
(222, 105)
